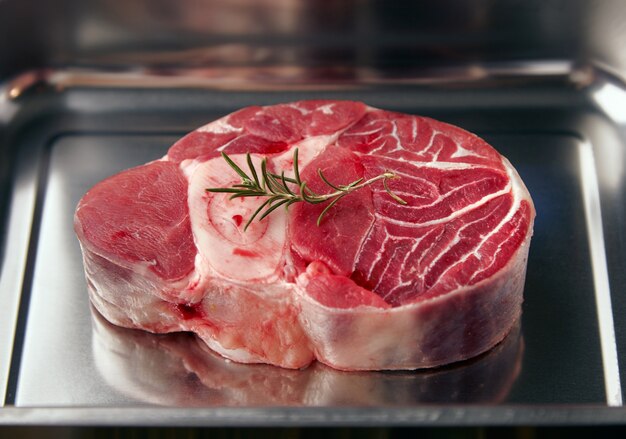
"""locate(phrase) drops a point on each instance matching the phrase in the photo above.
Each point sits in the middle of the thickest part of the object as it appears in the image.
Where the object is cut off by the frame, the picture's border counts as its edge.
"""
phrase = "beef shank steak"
(377, 285)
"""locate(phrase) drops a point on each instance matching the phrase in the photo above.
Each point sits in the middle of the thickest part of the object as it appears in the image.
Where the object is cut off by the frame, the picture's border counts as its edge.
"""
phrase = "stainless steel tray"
(61, 363)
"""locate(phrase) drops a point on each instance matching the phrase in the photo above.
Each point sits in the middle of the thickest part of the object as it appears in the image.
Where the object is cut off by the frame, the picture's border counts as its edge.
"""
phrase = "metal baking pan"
(61, 363)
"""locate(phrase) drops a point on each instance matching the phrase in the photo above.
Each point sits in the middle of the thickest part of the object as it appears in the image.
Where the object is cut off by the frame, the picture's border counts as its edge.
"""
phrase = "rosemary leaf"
(285, 185)
(287, 179)
(273, 185)
(236, 168)
(327, 208)
(256, 212)
(296, 170)
(325, 180)
(273, 208)
(306, 194)
(265, 175)
(229, 190)
(351, 185)
(392, 195)
(252, 170)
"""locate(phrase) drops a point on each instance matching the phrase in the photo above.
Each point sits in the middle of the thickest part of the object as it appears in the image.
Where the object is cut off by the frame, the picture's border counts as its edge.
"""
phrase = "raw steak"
(378, 285)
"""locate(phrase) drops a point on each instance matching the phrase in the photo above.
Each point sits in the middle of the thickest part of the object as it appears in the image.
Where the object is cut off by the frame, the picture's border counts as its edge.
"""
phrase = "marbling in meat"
(378, 285)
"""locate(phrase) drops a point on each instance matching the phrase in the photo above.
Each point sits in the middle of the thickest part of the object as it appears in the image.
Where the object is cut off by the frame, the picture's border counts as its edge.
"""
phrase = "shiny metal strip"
(288, 77)
(13, 268)
(604, 309)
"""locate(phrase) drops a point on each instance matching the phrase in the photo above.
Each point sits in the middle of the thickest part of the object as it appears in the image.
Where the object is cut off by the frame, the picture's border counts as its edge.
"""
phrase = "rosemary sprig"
(281, 190)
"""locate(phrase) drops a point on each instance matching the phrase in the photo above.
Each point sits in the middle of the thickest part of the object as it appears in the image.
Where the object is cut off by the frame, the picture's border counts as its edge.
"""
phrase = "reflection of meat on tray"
(179, 370)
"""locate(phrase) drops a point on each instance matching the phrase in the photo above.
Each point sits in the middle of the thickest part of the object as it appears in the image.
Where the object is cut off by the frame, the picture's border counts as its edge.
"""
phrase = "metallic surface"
(335, 36)
(602, 289)
(88, 88)
(61, 363)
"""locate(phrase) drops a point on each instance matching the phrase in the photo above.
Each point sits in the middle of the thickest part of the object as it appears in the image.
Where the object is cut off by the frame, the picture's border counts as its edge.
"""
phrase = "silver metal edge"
(604, 309)
(19, 226)
(316, 416)
(276, 78)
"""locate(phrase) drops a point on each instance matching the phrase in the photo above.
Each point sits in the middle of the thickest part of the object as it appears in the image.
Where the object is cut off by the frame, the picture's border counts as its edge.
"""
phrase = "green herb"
(281, 190)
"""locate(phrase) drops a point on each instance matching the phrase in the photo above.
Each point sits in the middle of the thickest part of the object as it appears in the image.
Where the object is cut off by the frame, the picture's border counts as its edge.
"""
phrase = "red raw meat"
(378, 285)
